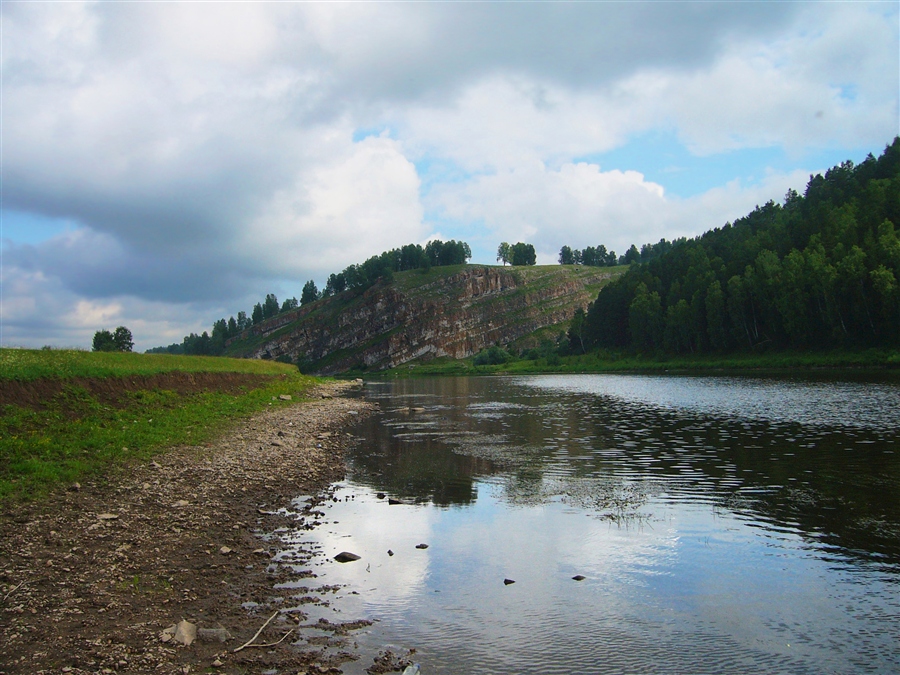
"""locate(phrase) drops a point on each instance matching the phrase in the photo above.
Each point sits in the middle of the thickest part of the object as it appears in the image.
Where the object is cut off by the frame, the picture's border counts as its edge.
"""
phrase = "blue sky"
(168, 164)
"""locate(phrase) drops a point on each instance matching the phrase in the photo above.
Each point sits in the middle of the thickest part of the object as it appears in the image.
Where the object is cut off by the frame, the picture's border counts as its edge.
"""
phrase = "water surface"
(722, 525)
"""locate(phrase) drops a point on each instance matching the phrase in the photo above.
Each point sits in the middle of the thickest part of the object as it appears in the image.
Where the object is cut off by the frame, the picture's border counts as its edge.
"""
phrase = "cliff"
(453, 312)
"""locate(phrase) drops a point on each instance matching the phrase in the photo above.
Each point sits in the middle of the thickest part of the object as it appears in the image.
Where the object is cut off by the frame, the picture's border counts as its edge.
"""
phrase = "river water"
(720, 524)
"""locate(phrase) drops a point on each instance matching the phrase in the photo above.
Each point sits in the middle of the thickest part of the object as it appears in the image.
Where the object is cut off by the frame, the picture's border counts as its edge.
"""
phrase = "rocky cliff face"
(425, 316)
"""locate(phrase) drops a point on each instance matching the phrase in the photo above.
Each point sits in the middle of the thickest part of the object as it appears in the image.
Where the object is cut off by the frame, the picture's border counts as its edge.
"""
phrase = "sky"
(167, 164)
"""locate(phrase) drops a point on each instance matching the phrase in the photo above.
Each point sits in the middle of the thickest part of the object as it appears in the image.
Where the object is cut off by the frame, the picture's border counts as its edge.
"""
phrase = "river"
(714, 524)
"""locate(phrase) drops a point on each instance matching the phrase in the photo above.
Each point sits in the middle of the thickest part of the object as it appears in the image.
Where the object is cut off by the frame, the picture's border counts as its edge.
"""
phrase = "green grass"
(33, 364)
(75, 434)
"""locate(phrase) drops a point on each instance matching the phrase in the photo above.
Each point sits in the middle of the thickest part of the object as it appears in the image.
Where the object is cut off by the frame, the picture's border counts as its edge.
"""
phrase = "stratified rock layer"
(420, 316)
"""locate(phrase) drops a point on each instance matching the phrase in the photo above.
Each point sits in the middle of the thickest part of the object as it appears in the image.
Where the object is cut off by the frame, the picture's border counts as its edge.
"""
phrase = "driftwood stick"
(272, 644)
(261, 628)
(13, 590)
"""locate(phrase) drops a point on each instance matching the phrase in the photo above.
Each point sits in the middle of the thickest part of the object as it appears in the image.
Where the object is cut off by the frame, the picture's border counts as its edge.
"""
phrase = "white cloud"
(579, 205)
(358, 204)
(206, 150)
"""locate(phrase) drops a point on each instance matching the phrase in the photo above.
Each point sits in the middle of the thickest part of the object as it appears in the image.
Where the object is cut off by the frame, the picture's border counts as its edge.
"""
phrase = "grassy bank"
(607, 362)
(88, 422)
(33, 364)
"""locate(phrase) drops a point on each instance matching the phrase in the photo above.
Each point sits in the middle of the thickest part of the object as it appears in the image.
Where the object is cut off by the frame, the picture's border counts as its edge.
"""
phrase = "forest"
(355, 278)
(819, 271)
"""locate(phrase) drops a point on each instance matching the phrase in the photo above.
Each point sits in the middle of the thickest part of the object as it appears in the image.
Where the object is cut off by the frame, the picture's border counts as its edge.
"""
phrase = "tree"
(576, 332)
(119, 341)
(218, 337)
(310, 293)
(257, 313)
(123, 339)
(104, 341)
(645, 318)
(716, 319)
(289, 304)
(523, 254)
(566, 257)
(632, 255)
(504, 253)
(270, 306)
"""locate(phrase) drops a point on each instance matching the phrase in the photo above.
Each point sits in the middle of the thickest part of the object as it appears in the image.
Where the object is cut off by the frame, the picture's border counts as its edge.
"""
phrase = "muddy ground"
(91, 578)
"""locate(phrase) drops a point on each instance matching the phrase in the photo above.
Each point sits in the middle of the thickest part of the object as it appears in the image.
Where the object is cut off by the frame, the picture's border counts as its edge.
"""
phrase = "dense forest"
(819, 271)
(354, 278)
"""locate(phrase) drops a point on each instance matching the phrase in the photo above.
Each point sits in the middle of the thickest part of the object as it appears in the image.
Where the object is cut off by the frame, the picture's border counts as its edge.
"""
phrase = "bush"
(493, 356)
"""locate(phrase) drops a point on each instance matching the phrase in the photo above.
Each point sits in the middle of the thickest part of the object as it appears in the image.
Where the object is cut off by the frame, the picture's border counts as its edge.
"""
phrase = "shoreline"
(885, 364)
(92, 575)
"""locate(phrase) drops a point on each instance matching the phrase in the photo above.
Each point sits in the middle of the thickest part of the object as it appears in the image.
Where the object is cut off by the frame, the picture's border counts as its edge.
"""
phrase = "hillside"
(819, 272)
(453, 311)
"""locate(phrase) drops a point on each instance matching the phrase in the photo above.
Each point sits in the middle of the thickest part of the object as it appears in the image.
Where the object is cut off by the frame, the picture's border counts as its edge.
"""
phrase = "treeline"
(435, 253)
(600, 257)
(820, 270)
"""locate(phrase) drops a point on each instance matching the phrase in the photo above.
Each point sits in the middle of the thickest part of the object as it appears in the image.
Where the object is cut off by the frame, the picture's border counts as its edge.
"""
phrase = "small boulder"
(390, 552)
(224, 550)
(345, 557)
(185, 632)
(284, 397)
(509, 581)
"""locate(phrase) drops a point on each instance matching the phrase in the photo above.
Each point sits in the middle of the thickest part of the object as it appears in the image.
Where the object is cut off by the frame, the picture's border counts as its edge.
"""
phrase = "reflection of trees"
(421, 469)
(838, 487)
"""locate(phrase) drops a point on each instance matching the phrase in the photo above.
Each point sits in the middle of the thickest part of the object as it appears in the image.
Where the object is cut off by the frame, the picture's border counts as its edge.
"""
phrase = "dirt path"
(91, 578)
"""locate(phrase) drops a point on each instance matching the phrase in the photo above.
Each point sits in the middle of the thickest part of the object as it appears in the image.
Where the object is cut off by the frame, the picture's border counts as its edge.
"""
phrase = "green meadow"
(71, 433)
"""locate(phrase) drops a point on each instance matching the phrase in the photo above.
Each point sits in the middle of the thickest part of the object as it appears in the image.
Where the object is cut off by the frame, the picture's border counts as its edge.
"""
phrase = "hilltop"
(453, 311)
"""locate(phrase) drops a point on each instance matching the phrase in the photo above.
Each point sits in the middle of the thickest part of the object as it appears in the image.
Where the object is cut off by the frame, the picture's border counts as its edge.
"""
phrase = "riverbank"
(875, 360)
(93, 575)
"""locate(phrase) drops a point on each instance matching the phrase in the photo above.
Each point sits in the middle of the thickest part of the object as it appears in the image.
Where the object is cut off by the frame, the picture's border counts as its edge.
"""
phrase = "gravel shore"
(92, 578)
